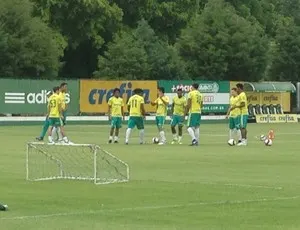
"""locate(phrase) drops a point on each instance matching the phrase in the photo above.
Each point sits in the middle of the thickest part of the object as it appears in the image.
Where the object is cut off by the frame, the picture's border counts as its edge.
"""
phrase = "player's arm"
(109, 110)
(154, 102)
(165, 100)
(172, 109)
(143, 111)
(188, 106)
(228, 112)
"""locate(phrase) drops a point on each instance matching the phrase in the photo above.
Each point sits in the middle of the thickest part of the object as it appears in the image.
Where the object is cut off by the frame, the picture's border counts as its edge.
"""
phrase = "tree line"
(150, 39)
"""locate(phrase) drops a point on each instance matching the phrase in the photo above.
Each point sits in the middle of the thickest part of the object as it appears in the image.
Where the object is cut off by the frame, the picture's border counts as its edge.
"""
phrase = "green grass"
(212, 186)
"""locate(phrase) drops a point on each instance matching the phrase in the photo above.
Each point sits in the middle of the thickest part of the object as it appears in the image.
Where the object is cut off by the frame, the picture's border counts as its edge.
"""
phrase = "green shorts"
(177, 120)
(194, 120)
(65, 118)
(116, 122)
(55, 122)
(234, 122)
(160, 121)
(243, 121)
(136, 121)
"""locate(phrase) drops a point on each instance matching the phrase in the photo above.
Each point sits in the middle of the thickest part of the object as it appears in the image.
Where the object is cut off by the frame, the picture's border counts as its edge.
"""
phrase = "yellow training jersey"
(234, 101)
(54, 104)
(135, 103)
(116, 105)
(162, 108)
(196, 101)
(179, 105)
(243, 98)
(62, 97)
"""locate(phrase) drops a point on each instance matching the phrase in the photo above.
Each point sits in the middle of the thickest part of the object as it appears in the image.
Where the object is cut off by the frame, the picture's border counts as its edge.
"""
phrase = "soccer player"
(55, 111)
(62, 94)
(243, 106)
(193, 110)
(136, 114)
(234, 115)
(161, 103)
(115, 115)
(178, 109)
(46, 124)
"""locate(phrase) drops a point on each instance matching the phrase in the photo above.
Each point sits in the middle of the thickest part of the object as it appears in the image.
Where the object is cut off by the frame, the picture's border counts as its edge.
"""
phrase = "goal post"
(74, 162)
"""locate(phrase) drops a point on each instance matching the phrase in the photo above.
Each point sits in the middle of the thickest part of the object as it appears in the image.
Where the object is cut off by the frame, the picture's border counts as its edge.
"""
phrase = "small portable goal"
(74, 162)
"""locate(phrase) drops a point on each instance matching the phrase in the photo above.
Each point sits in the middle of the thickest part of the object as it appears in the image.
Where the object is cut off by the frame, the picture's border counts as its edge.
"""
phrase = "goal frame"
(95, 178)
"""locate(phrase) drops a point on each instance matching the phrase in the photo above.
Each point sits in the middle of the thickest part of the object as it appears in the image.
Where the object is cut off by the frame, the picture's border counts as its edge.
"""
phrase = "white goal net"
(75, 162)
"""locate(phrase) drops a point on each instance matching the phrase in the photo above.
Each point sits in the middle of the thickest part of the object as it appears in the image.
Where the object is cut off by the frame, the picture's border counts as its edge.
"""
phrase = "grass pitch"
(212, 186)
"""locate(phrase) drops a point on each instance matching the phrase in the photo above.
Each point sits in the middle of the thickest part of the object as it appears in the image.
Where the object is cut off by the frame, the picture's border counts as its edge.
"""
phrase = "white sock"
(60, 137)
(50, 139)
(54, 133)
(180, 138)
(239, 134)
(175, 136)
(197, 134)
(128, 131)
(110, 138)
(231, 131)
(116, 138)
(191, 132)
(162, 136)
(142, 134)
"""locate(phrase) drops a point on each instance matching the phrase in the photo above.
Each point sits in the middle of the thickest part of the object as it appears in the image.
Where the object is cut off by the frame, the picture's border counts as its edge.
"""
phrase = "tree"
(28, 47)
(286, 52)
(219, 44)
(86, 24)
(139, 54)
(167, 18)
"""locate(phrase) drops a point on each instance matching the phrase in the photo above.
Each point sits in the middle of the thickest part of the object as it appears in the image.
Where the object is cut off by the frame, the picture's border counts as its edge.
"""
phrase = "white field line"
(93, 212)
(226, 184)
(243, 185)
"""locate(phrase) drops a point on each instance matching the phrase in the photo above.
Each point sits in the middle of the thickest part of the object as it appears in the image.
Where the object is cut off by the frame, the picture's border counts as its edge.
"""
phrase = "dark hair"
(138, 91)
(179, 90)
(240, 86)
(195, 85)
(63, 84)
(56, 88)
(116, 89)
(234, 89)
(161, 89)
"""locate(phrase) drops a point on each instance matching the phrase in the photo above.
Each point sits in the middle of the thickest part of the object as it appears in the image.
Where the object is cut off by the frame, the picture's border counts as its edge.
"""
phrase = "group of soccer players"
(181, 107)
(56, 115)
(238, 115)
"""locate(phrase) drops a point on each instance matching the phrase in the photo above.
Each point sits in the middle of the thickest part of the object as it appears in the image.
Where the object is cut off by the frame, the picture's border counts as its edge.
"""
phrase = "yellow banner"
(284, 99)
(277, 118)
(95, 94)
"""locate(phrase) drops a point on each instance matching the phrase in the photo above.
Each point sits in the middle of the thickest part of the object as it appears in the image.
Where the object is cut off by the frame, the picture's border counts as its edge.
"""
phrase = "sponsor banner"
(284, 99)
(204, 86)
(213, 102)
(277, 118)
(30, 96)
(94, 94)
(215, 94)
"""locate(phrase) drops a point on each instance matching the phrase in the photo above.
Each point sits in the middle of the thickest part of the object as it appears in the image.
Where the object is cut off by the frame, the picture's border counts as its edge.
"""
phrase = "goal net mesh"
(76, 161)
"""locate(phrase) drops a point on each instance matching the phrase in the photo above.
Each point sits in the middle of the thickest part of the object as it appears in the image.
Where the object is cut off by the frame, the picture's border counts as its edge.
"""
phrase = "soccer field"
(212, 186)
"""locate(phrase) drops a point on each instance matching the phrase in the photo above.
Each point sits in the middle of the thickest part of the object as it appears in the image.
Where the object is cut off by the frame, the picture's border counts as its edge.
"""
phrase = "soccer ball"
(155, 140)
(263, 137)
(268, 142)
(231, 142)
